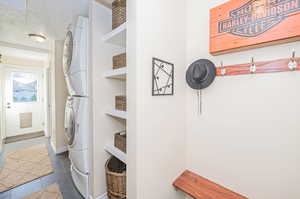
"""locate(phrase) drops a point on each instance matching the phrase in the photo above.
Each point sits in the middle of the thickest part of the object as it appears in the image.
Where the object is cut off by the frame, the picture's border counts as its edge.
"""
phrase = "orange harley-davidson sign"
(244, 24)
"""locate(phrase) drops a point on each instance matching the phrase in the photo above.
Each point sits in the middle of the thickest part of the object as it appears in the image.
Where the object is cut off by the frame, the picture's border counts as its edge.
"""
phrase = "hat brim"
(210, 76)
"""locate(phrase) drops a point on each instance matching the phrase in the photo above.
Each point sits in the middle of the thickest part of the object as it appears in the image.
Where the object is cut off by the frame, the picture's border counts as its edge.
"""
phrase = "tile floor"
(61, 175)
(51, 192)
(25, 165)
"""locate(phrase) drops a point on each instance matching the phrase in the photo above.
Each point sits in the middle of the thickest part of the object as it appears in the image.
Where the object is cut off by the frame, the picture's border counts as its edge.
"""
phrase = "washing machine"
(77, 131)
(75, 57)
(75, 68)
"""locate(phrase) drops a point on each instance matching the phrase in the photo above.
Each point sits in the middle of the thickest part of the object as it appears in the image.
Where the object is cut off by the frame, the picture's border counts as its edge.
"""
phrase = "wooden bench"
(200, 188)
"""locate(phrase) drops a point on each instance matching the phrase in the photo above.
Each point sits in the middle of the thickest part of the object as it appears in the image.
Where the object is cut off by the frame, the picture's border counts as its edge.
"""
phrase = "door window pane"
(24, 87)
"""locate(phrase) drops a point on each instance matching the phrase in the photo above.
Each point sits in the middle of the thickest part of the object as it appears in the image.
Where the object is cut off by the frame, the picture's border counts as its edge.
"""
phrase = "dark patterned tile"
(5, 195)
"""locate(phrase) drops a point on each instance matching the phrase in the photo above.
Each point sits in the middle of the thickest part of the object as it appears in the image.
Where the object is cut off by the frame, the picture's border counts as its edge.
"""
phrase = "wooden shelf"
(111, 149)
(117, 36)
(117, 114)
(116, 74)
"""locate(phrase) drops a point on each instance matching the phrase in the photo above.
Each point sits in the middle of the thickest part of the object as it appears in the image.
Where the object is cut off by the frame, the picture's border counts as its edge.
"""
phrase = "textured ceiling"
(48, 17)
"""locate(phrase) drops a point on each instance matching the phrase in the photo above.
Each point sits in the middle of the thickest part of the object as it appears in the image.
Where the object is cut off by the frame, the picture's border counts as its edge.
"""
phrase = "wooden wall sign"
(244, 24)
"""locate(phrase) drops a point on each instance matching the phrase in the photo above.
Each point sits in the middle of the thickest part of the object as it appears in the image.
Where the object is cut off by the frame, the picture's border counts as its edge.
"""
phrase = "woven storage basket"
(120, 103)
(120, 141)
(116, 181)
(119, 61)
(110, 196)
(118, 13)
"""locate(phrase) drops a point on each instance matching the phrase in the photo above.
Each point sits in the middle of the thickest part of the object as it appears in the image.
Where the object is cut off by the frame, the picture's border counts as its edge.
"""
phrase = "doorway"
(23, 103)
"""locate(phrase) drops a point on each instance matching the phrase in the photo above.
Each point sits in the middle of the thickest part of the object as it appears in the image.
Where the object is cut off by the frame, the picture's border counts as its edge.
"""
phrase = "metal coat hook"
(223, 70)
(252, 67)
(293, 64)
(199, 95)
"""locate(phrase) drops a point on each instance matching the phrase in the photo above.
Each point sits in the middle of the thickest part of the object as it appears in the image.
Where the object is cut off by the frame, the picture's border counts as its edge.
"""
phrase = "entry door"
(23, 101)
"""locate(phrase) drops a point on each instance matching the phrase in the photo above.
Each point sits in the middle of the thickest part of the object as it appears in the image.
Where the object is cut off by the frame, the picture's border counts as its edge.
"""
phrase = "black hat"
(201, 74)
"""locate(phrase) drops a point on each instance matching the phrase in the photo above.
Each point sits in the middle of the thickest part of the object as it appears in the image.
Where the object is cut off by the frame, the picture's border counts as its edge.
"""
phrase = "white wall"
(58, 99)
(47, 104)
(18, 61)
(1, 107)
(156, 125)
(248, 136)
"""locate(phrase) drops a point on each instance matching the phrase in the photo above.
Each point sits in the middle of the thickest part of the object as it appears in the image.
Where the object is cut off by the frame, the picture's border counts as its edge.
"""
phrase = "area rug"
(24, 165)
(51, 192)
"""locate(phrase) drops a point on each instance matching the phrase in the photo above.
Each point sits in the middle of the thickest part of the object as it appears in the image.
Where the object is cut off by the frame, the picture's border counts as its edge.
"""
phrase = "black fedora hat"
(201, 74)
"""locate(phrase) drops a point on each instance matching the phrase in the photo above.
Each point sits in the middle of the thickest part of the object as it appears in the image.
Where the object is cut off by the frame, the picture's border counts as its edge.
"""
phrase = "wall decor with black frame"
(162, 77)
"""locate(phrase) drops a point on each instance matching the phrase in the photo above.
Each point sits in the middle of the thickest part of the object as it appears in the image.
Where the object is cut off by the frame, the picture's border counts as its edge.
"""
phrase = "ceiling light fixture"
(37, 37)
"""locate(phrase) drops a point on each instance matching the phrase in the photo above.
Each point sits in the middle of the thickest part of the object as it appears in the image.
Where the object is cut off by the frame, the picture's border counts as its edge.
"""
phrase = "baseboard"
(104, 196)
(59, 150)
(52, 146)
(28, 136)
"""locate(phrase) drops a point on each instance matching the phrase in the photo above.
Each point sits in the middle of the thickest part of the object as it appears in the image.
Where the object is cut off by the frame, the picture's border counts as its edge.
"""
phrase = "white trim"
(59, 150)
(104, 196)
(52, 146)
(22, 47)
(2, 114)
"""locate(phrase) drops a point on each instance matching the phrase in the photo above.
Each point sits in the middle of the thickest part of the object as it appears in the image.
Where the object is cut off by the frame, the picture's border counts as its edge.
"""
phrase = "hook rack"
(280, 65)
(293, 64)
(223, 70)
(253, 66)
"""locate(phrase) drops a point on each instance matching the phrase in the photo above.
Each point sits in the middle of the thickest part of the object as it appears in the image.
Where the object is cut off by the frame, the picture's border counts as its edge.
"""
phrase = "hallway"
(61, 175)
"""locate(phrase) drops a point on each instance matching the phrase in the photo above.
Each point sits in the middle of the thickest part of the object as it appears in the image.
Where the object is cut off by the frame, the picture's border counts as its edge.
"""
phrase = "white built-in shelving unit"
(111, 149)
(117, 114)
(117, 36)
(116, 74)
(107, 83)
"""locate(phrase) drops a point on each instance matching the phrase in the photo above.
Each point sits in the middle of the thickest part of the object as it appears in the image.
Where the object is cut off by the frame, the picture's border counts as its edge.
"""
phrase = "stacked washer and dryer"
(75, 66)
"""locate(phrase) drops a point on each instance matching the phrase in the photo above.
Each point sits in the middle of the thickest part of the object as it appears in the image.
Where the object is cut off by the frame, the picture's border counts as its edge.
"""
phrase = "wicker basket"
(110, 196)
(120, 103)
(115, 178)
(120, 141)
(118, 13)
(119, 61)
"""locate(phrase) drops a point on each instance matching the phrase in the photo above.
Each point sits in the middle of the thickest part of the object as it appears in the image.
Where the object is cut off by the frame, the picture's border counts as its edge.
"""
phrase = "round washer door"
(68, 52)
(70, 122)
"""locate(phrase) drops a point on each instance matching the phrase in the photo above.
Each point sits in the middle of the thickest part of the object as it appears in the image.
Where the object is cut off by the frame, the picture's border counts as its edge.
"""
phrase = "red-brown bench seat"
(200, 188)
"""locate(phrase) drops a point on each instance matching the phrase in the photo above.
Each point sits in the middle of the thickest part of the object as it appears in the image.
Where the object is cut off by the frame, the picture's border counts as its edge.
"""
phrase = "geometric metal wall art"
(162, 78)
